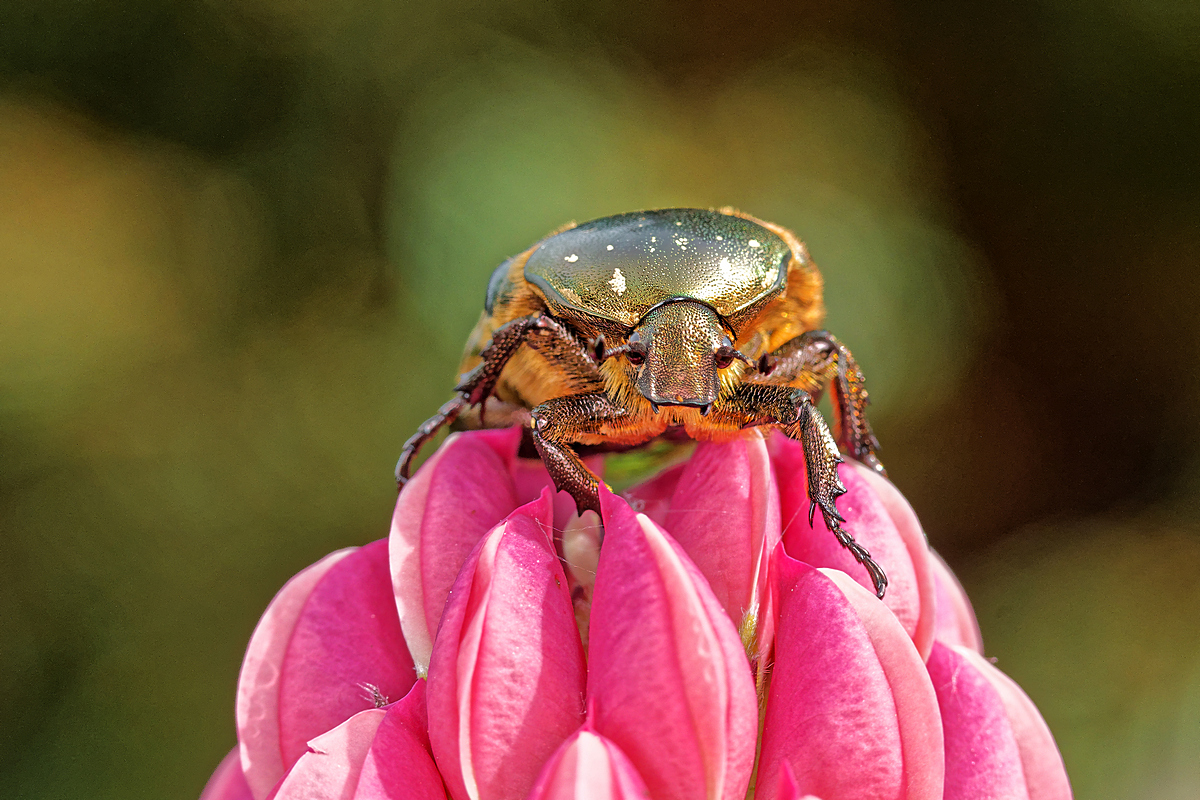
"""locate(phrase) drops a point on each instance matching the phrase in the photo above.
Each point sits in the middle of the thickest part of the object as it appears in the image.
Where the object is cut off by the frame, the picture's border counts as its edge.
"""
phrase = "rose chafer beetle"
(628, 328)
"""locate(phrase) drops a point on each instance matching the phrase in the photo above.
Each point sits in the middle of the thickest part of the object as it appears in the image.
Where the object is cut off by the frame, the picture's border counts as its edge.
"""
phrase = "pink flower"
(448, 660)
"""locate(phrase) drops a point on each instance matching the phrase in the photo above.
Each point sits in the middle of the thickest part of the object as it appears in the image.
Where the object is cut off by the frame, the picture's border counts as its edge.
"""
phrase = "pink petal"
(668, 680)
(330, 767)
(878, 518)
(653, 497)
(787, 784)
(228, 782)
(725, 515)
(399, 765)
(258, 684)
(346, 641)
(922, 556)
(956, 624)
(851, 707)
(982, 758)
(453, 500)
(589, 767)
(507, 672)
(1045, 775)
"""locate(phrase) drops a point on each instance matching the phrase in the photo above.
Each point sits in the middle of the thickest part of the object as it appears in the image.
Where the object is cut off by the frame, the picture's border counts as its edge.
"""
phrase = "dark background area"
(241, 245)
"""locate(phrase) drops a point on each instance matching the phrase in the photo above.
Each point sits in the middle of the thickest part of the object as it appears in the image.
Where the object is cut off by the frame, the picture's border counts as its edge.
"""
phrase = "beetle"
(628, 328)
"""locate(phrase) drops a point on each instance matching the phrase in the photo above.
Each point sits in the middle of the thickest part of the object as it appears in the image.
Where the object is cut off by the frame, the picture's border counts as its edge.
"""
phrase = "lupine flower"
(492, 649)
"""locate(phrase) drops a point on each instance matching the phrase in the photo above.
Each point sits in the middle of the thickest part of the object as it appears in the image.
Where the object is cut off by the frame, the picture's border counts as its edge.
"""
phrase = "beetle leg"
(793, 411)
(445, 415)
(821, 457)
(558, 422)
(815, 360)
(477, 385)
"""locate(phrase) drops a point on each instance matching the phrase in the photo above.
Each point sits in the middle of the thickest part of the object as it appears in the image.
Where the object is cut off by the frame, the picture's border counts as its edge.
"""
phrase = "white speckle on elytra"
(754, 243)
(651, 249)
(720, 238)
(571, 258)
(726, 268)
(610, 247)
(618, 282)
(677, 224)
(654, 238)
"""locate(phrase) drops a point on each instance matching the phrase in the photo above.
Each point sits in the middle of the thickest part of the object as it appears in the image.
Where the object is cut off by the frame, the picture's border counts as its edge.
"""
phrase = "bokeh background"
(241, 244)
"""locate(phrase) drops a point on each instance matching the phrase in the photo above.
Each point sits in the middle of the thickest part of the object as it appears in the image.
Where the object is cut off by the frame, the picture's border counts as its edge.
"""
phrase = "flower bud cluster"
(698, 641)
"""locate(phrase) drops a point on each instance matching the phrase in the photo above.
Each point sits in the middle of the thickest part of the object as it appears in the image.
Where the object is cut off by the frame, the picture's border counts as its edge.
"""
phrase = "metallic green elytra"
(620, 267)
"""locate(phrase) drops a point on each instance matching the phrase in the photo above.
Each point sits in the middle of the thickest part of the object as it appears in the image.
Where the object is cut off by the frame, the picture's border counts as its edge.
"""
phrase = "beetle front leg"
(821, 457)
(793, 411)
(477, 385)
(558, 422)
(815, 360)
(428, 429)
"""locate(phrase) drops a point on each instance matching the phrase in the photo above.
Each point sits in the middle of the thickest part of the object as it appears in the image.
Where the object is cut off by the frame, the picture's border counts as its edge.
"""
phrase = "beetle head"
(677, 349)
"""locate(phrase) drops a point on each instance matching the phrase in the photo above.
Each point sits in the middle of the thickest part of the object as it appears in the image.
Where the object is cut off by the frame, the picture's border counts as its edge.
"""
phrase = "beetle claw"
(654, 406)
(705, 409)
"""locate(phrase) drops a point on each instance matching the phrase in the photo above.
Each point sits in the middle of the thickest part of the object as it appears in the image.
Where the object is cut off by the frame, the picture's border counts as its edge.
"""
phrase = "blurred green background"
(241, 244)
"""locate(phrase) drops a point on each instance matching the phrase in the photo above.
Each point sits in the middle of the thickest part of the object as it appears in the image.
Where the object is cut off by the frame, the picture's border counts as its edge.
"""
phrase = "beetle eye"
(636, 354)
(723, 357)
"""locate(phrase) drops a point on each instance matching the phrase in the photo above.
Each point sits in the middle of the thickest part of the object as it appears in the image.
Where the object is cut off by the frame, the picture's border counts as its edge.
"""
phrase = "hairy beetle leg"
(558, 422)
(815, 360)
(569, 473)
(793, 411)
(477, 385)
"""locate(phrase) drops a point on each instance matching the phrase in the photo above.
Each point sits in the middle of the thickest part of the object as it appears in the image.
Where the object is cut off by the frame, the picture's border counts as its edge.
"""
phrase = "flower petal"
(507, 672)
(399, 764)
(917, 545)
(668, 680)
(454, 499)
(257, 710)
(878, 518)
(956, 623)
(982, 758)
(589, 767)
(332, 763)
(1045, 775)
(725, 515)
(228, 782)
(850, 707)
(653, 497)
(346, 648)
(788, 790)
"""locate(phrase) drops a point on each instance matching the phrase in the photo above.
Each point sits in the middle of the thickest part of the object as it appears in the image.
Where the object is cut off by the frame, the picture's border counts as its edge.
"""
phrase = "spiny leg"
(815, 360)
(821, 457)
(796, 415)
(445, 415)
(477, 385)
(557, 423)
